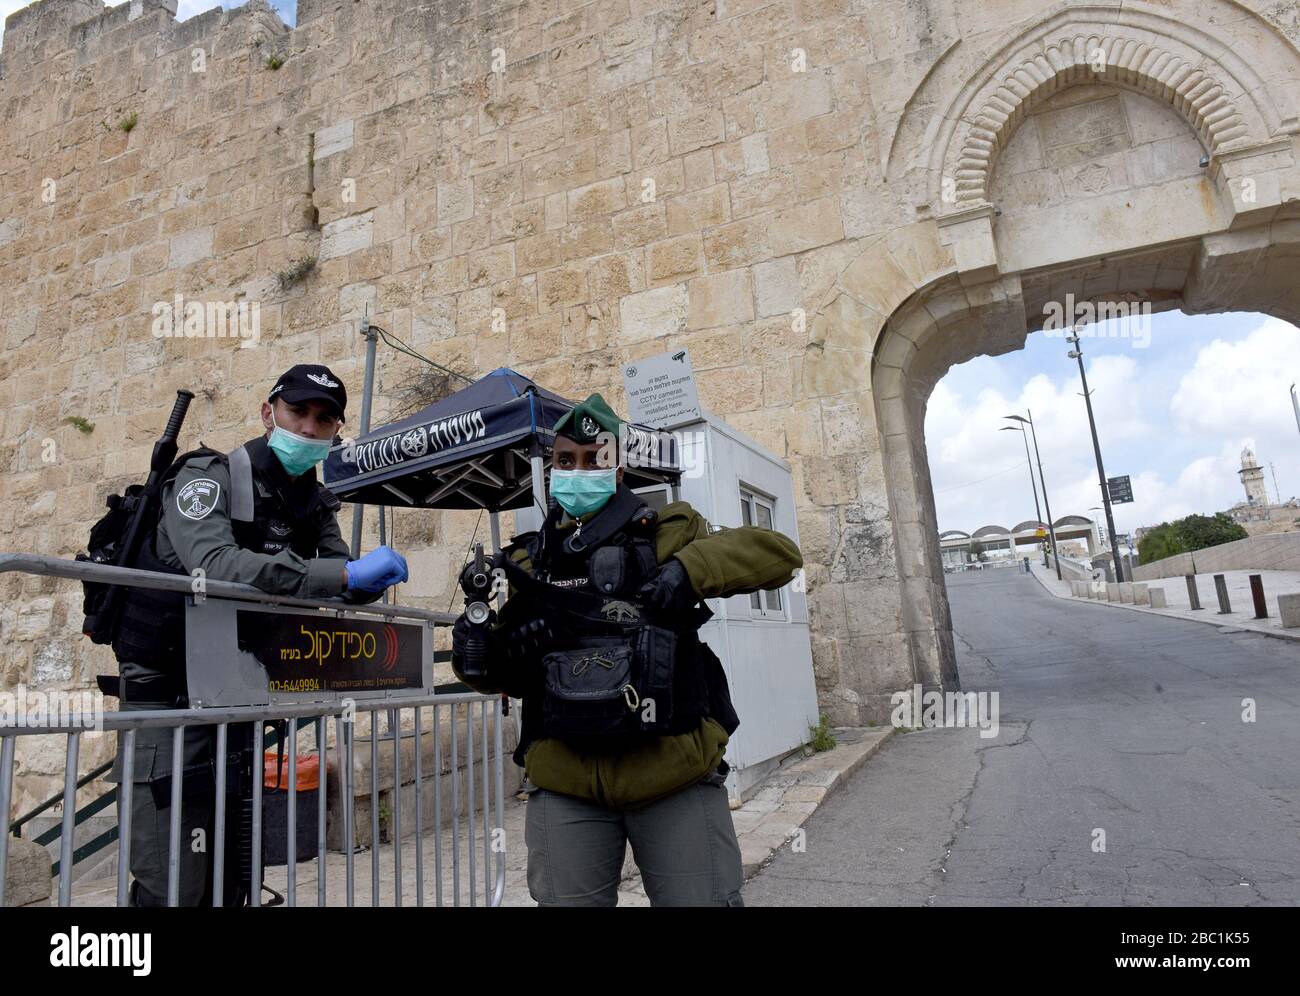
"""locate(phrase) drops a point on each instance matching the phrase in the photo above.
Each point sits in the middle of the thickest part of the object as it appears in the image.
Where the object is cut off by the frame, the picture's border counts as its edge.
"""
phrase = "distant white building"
(1077, 535)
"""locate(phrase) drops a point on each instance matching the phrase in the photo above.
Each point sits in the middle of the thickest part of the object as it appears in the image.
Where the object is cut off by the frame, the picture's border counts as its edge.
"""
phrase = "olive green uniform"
(666, 796)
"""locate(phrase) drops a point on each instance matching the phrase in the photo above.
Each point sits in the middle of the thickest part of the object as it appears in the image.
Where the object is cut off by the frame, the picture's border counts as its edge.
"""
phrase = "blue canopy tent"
(486, 446)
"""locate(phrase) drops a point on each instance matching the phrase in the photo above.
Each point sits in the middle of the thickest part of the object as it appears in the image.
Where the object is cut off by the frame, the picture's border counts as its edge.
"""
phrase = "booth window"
(656, 495)
(759, 510)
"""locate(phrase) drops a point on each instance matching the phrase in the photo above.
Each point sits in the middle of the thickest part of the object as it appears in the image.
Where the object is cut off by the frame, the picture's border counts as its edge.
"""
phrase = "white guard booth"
(762, 639)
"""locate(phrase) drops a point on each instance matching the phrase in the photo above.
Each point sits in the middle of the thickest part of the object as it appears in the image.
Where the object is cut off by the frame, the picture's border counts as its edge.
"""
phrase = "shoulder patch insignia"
(198, 497)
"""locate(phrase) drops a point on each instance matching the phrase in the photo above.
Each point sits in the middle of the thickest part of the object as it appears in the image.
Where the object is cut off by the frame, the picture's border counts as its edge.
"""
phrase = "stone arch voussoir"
(1220, 95)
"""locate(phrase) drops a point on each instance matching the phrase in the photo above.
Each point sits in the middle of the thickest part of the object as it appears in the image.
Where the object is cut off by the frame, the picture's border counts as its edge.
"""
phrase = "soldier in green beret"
(626, 712)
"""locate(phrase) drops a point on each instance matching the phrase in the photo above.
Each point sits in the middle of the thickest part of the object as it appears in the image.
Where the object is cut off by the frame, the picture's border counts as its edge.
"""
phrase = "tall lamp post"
(1038, 515)
(1056, 553)
(1077, 354)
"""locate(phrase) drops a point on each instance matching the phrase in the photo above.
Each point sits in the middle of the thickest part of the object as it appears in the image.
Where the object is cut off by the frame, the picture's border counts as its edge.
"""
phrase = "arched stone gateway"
(829, 202)
(1214, 227)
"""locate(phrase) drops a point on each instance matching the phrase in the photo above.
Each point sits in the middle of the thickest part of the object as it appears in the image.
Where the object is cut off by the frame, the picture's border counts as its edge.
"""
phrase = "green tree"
(1194, 532)
(977, 550)
(1200, 531)
(1160, 542)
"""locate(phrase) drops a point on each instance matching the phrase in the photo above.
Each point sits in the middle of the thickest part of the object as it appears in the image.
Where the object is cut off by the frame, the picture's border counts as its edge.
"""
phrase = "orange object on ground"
(308, 771)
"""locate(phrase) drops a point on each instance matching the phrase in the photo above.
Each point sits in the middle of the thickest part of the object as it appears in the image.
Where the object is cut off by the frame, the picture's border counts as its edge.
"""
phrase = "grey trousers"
(151, 822)
(151, 809)
(684, 844)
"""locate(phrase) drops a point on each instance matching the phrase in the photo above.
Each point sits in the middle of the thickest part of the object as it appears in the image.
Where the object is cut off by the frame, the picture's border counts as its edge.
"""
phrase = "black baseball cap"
(310, 382)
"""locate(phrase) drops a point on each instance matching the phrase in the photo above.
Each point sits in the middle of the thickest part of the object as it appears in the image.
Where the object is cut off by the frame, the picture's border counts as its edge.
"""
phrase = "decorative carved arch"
(1151, 70)
(1221, 95)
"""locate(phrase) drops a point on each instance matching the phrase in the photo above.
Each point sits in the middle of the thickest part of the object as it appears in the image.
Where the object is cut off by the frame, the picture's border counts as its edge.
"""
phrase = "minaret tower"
(1252, 478)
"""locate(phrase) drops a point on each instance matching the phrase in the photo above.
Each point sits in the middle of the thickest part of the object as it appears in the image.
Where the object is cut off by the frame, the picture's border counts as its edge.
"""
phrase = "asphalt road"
(1108, 721)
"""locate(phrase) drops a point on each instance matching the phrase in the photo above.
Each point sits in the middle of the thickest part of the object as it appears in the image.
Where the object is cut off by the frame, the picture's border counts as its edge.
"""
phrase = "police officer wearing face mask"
(626, 712)
(256, 516)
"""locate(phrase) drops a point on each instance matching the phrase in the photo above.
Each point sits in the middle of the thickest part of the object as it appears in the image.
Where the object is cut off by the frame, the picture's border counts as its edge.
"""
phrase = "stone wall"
(1270, 552)
(800, 191)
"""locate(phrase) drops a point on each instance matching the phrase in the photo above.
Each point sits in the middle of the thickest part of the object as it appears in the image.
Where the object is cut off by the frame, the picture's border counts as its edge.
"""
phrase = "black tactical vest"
(269, 513)
(584, 584)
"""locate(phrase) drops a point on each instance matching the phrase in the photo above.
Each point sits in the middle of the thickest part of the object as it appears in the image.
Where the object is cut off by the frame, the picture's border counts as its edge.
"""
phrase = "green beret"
(587, 419)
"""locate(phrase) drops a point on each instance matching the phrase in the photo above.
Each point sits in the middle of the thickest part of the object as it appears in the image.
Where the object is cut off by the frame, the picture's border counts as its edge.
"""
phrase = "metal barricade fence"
(481, 804)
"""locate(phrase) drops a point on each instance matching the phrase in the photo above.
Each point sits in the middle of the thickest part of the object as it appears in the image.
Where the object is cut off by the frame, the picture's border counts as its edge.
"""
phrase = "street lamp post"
(1051, 529)
(1029, 461)
(1077, 354)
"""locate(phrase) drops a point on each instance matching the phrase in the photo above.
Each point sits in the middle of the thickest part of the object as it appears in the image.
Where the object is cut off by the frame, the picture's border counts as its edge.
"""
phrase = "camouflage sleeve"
(728, 562)
(196, 524)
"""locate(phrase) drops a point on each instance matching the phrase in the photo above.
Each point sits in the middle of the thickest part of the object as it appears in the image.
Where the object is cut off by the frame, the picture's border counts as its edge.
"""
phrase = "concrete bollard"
(1193, 596)
(1157, 596)
(1221, 589)
(1126, 591)
(1288, 607)
(1112, 591)
(1074, 589)
(1140, 595)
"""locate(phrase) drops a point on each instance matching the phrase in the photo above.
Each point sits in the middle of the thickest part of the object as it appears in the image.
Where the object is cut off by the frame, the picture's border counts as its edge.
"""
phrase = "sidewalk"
(1241, 618)
(783, 802)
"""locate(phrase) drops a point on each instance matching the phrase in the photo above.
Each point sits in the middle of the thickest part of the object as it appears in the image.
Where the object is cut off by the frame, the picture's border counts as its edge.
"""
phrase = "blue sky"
(1173, 415)
(287, 9)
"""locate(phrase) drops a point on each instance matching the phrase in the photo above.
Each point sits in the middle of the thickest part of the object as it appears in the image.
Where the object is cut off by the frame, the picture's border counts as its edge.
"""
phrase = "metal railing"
(483, 803)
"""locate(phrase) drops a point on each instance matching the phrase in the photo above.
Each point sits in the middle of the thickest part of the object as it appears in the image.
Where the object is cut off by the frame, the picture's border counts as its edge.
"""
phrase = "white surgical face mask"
(297, 454)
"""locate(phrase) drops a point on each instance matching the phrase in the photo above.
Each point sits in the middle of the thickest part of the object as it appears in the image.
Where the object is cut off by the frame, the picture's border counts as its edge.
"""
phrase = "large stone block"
(653, 313)
(27, 875)
(721, 299)
(1288, 607)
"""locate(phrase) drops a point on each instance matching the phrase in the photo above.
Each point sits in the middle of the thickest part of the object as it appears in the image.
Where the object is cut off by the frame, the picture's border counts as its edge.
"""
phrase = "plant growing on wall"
(296, 272)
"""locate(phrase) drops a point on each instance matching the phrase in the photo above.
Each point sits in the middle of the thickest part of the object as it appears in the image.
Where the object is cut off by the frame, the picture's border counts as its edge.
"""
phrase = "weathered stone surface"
(828, 203)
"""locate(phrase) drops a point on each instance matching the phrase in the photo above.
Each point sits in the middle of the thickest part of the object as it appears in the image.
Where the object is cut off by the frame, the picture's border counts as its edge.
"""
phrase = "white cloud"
(1182, 448)
(979, 472)
(1243, 383)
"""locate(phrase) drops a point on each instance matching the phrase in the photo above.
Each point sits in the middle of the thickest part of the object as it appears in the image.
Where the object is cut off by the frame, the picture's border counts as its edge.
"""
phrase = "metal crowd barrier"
(488, 796)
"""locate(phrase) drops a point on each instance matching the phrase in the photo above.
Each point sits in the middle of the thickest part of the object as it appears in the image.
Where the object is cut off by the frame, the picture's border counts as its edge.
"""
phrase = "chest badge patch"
(619, 611)
(198, 497)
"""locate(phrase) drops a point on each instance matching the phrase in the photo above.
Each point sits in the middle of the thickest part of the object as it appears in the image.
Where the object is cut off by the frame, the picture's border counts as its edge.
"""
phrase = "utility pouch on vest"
(589, 692)
(614, 687)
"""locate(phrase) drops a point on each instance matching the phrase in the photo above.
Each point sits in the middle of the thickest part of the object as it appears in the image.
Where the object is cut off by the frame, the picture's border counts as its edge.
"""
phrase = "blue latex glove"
(378, 569)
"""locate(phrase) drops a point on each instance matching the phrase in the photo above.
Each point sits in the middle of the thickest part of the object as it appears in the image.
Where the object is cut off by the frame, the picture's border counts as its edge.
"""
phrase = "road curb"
(1222, 627)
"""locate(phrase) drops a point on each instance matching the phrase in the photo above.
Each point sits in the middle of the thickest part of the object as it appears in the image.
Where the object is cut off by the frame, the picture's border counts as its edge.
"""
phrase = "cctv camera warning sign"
(661, 390)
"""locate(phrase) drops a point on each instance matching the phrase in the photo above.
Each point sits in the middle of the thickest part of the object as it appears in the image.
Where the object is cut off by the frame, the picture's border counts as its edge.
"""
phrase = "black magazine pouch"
(590, 692)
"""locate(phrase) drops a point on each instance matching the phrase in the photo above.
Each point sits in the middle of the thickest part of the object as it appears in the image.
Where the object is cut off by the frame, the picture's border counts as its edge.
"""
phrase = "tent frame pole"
(367, 395)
